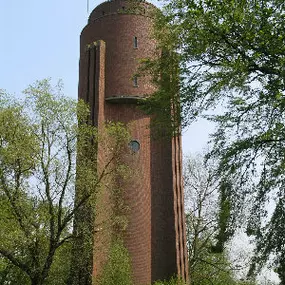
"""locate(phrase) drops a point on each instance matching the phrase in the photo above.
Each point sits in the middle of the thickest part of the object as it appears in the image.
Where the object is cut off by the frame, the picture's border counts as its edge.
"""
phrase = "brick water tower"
(117, 36)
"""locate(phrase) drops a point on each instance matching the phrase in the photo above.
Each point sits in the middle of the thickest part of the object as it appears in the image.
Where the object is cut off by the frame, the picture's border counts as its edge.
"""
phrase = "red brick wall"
(137, 191)
(118, 31)
(155, 234)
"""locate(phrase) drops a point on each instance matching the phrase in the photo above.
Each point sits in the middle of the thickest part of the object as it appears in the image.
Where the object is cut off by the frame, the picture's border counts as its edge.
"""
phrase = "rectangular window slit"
(135, 81)
(135, 42)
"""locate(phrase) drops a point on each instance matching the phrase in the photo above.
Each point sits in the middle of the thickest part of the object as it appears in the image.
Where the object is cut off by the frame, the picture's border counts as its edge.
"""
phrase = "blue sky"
(40, 39)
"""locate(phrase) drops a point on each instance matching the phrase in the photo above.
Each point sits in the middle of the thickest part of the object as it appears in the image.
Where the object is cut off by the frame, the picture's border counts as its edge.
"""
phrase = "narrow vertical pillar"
(181, 254)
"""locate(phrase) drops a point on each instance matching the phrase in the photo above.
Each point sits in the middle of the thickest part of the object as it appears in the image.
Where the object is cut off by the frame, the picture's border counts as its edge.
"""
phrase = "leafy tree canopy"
(45, 154)
(232, 54)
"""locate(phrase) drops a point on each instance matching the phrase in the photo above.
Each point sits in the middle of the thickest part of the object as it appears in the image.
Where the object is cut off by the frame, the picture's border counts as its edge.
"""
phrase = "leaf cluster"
(117, 270)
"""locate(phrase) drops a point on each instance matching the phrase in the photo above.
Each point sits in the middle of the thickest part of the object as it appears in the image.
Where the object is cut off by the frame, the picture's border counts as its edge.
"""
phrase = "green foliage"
(209, 207)
(60, 268)
(233, 53)
(164, 104)
(117, 270)
(39, 147)
(227, 215)
(213, 269)
(172, 281)
(111, 142)
(9, 274)
(38, 143)
(111, 216)
(224, 46)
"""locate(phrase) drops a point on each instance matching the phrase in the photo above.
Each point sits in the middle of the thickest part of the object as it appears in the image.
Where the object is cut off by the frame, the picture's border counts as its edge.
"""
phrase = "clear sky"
(40, 39)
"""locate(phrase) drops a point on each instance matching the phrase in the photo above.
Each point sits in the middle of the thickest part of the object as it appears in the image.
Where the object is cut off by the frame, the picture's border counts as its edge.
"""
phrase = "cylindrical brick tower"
(116, 37)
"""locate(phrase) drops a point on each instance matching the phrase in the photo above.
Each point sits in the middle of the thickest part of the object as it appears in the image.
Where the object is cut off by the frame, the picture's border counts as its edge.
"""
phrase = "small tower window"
(135, 42)
(134, 146)
(103, 12)
(135, 81)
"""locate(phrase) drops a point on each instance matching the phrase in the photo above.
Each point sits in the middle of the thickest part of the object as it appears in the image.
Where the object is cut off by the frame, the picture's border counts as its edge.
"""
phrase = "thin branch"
(214, 265)
(47, 182)
(67, 178)
(66, 239)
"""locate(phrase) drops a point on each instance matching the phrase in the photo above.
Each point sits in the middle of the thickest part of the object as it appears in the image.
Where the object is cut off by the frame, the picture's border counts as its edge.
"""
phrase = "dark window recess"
(134, 146)
(135, 42)
(103, 12)
(135, 81)
(123, 8)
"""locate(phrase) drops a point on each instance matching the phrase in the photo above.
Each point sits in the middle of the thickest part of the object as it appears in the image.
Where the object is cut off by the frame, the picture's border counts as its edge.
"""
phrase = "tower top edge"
(111, 7)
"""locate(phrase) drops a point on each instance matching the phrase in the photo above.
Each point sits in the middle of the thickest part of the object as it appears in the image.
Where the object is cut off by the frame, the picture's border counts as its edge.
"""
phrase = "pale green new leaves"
(45, 142)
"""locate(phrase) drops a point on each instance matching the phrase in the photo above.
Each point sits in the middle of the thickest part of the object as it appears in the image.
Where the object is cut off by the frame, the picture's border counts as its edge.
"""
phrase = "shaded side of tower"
(111, 45)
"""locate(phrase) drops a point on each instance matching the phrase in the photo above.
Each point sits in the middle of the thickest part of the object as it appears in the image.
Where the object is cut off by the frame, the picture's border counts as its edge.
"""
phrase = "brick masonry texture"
(155, 236)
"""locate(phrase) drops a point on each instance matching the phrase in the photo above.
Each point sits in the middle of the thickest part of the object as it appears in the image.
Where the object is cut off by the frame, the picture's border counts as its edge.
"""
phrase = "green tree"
(117, 270)
(38, 151)
(208, 223)
(232, 53)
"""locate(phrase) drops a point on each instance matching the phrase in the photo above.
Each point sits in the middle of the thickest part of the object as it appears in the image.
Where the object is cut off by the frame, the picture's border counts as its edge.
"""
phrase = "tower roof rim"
(96, 10)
